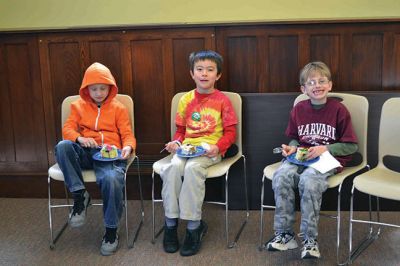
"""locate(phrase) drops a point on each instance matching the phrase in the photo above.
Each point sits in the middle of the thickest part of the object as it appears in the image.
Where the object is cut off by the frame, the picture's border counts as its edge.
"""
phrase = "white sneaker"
(281, 242)
(310, 249)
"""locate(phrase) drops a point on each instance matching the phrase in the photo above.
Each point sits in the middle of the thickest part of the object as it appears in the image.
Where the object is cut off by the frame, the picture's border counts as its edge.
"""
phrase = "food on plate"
(301, 154)
(109, 151)
(188, 149)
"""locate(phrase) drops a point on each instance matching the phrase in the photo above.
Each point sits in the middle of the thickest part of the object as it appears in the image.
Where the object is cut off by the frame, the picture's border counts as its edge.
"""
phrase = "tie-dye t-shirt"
(204, 116)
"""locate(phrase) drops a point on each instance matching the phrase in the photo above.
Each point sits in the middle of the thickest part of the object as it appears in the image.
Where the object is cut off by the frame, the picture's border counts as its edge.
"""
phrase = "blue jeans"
(72, 159)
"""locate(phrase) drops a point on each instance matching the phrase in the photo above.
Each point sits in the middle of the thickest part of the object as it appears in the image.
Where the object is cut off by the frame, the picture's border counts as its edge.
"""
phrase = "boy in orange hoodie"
(96, 118)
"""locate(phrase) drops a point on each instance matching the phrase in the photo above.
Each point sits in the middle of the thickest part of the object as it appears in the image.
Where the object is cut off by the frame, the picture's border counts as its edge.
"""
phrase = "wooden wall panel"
(283, 63)
(367, 59)
(243, 49)
(22, 117)
(65, 76)
(6, 129)
(326, 48)
(360, 55)
(108, 53)
(245, 58)
(181, 49)
(149, 94)
(396, 61)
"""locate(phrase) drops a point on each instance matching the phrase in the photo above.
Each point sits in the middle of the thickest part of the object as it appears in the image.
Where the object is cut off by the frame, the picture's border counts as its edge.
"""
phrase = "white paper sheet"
(325, 163)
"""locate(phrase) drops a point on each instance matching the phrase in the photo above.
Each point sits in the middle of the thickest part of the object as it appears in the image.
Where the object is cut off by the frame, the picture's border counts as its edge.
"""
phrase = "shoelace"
(78, 207)
(280, 236)
(110, 237)
(309, 243)
(191, 238)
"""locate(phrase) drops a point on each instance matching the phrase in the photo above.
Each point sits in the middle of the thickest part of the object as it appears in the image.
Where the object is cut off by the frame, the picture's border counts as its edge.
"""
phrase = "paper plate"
(292, 158)
(199, 151)
(97, 157)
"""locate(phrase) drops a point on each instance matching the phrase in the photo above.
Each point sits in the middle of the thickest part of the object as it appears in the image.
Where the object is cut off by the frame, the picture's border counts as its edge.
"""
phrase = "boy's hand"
(171, 146)
(287, 150)
(212, 151)
(315, 151)
(126, 152)
(87, 142)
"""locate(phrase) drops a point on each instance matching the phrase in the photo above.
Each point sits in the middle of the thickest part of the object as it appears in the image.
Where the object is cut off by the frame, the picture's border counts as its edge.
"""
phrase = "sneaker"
(77, 217)
(170, 241)
(192, 242)
(310, 249)
(281, 242)
(109, 245)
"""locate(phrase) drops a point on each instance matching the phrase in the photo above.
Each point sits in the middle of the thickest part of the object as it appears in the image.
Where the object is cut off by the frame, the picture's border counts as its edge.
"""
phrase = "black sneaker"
(77, 217)
(110, 242)
(170, 240)
(192, 242)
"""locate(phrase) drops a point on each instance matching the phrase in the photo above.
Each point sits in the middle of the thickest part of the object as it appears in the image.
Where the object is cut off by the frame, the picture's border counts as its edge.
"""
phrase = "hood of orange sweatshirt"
(97, 73)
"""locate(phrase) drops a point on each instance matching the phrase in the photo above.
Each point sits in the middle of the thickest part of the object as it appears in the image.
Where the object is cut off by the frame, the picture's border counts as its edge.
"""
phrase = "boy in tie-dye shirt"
(204, 115)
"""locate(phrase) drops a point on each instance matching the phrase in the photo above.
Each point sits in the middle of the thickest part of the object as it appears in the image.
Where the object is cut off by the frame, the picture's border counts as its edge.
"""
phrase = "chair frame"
(175, 100)
(388, 115)
(126, 100)
(347, 172)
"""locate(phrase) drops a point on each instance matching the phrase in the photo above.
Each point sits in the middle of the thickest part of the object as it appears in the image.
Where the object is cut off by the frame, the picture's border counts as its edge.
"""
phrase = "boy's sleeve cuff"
(178, 142)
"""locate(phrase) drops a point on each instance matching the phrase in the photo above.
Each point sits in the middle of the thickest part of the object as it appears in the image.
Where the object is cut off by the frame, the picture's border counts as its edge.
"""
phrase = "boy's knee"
(64, 144)
(282, 180)
(63, 147)
(173, 166)
(113, 180)
(311, 185)
(194, 169)
(170, 178)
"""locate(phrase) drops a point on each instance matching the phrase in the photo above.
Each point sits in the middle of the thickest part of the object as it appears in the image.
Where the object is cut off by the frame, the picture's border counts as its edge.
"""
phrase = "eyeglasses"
(313, 83)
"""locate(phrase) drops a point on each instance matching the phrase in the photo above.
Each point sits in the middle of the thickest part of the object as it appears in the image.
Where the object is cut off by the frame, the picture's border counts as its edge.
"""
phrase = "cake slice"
(109, 151)
(301, 154)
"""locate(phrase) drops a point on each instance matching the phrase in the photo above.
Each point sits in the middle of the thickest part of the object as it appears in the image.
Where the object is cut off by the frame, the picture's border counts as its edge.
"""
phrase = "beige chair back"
(236, 101)
(389, 141)
(357, 105)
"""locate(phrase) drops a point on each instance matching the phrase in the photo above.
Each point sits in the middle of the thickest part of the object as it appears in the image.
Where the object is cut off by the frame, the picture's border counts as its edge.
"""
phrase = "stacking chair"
(89, 176)
(358, 108)
(218, 170)
(380, 182)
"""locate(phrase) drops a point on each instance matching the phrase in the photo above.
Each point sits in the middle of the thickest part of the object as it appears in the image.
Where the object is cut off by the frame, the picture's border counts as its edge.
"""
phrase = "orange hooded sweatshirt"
(108, 123)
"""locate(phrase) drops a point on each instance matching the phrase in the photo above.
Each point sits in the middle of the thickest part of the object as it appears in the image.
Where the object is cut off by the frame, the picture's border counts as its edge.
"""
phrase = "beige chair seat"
(386, 186)
(56, 174)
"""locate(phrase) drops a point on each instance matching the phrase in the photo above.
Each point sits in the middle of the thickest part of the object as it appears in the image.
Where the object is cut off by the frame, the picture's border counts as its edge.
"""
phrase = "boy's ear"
(191, 73)
(218, 76)
(303, 90)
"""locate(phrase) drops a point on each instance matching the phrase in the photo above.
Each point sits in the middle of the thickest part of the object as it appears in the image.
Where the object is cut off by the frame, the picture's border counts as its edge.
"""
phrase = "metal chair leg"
(153, 220)
(132, 243)
(371, 236)
(53, 239)
(234, 243)
(262, 246)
